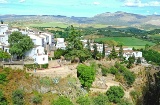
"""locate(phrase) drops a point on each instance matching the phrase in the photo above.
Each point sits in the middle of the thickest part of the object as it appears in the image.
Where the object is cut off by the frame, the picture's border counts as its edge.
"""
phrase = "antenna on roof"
(2, 22)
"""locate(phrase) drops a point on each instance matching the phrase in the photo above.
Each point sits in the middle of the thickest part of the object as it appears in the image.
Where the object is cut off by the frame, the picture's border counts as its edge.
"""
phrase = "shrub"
(45, 81)
(101, 99)
(124, 102)
(37, 99)
(18, 97)
(115, 93)
(86, 75)
(58, 53)
(113, 70)
(84, 100)
(62, 101)
(3, 100)
(129, 77)
(3, 78)
(104, 71)
(44, 66)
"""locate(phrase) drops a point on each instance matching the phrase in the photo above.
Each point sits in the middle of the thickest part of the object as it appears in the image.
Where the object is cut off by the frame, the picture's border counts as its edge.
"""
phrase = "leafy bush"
(134, 95)
(124, 102)
(32, 66)
(115, 93)
(18, 97)
(113, 70)
(44, 66)
(46, 81)
(129, 77)
(84, 100)
(3, 100)
(101, 99)
(3, 78)
(86, 75)
(37, 99)
(119, 70)
(62, 101)
(58, 53)
(104, 71)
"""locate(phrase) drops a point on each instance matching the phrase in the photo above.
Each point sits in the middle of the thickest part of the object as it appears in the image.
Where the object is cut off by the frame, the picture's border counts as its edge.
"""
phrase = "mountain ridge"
(118, 18)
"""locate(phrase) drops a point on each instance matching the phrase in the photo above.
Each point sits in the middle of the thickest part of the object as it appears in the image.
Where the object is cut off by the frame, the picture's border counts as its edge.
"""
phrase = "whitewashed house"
(40, 40)
(127, 52)
(60, 44)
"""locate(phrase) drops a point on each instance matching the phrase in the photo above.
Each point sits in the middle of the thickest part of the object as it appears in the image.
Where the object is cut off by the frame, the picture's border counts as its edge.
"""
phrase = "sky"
(79, 8)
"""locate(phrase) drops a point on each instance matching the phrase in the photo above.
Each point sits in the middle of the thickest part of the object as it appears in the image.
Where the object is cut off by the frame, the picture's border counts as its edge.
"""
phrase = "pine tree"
(113, 53)
(88, 45)
(103, 53)
(121, 52)
(95, 51)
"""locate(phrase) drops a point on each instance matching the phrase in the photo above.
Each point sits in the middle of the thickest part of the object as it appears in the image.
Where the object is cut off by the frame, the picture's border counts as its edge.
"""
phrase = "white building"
(127, 52)
(60, 44)
(40, 40)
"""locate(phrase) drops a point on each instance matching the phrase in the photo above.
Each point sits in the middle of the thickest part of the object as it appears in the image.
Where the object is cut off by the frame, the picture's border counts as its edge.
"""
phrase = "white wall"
(41, 59)
(3, 28)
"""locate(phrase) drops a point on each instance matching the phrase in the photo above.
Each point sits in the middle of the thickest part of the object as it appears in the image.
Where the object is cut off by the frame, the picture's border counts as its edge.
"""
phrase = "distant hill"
(118, 18)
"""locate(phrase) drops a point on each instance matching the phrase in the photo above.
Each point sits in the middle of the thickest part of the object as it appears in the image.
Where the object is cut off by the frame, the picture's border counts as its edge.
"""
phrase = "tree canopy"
(4, 55)
(75, 46)
(115, 93)
(19, 43)
(86, 75)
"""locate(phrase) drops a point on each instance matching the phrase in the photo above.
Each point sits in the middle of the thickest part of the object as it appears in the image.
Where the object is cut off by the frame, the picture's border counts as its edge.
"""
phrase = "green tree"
(88, 45)
(58, 53)
(139, 60)
(3, 100)
(113, 54)
(18, 97)
(121, 52)
(101, 99)
(86, 75)
(19, 43)
(95, 52)
(83, 100)
(75, 48)
(115, 93)
(62, 101)
(103, 53)
(131, 61)
(4, 55)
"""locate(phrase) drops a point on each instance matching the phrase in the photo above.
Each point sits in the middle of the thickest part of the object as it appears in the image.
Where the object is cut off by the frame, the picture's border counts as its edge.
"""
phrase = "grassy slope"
(127, 41)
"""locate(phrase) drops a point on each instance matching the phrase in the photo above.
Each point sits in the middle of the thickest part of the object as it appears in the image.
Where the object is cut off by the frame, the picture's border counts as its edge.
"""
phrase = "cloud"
(21, 1)
(96, 3)
(155, 13)
(3, 1)
(139, 3)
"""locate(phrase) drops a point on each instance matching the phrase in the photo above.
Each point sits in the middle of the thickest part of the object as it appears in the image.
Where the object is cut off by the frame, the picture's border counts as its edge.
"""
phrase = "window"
(43, 59)
(37, 50)
(35, 59)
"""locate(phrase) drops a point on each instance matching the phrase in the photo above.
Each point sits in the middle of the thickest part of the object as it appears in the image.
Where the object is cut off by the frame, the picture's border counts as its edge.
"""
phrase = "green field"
(127, 41)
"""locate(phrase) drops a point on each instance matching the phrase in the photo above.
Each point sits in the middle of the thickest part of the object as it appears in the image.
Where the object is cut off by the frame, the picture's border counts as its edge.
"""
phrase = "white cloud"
(3, 1)
(96, 3)
(21, 1)
(139, 3)
(155, 13)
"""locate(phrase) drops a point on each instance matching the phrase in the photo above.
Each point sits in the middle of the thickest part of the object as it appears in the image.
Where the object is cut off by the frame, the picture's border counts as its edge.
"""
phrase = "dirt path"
(55, 70)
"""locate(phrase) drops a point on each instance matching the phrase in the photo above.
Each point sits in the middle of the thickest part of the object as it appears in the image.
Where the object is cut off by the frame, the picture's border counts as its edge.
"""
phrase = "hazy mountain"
(118, 18)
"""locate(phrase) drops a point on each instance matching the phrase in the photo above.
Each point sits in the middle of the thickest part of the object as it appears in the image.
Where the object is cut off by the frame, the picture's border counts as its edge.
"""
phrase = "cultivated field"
(128, 41)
